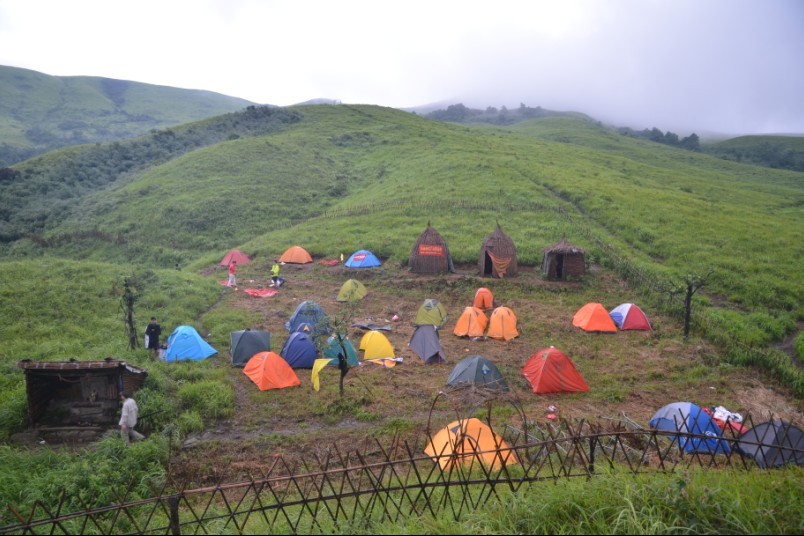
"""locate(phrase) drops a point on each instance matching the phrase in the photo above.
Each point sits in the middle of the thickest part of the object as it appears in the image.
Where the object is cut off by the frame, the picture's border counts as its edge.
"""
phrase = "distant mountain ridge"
(40, 112)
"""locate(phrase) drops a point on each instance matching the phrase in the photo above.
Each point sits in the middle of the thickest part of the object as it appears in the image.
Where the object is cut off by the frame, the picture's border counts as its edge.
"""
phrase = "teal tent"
(333, 348)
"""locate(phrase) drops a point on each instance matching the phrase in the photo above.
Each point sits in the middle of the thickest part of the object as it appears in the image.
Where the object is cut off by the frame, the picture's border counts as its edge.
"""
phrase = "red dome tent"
(235, 255)
(550, 371)
(629, 316)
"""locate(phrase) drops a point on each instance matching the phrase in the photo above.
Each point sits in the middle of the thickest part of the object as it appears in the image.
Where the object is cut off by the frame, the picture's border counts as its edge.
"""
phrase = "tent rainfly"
(247, 342)
(235, 255)
(469, 443)
(351, 291)
(563, 260)
(430, 254)
(498, 255)
(296, 255)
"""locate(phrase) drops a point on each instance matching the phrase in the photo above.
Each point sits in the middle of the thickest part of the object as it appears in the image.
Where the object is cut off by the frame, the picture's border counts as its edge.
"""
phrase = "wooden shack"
(78, 393)
(498, 255)
(563, 260)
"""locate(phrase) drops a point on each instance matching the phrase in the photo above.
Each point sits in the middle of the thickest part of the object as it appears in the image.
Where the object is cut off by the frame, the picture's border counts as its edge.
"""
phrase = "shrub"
(212, 399)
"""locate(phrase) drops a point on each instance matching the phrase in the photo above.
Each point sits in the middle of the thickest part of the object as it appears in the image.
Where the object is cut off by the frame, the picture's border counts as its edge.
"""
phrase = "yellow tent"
(469, 441)
(375, 345)
(352, 290)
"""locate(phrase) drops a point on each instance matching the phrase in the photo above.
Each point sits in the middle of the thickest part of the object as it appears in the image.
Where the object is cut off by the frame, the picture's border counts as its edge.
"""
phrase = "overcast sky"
(731, 66)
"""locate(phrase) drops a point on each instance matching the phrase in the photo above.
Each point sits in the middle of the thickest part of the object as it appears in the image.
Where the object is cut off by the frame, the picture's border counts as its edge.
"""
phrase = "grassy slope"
(75, 109)
(396, 171)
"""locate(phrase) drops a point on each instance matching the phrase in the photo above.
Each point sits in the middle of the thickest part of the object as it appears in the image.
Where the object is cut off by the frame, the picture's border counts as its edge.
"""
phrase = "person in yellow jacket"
(275, 274)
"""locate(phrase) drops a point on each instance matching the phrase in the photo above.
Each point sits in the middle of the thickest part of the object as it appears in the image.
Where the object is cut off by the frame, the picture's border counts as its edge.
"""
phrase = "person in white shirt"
(128, 419)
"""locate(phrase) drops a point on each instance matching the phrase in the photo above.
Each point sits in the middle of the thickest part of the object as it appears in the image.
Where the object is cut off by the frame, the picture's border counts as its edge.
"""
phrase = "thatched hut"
(498, 255)
(563, 260)
(78, 392)
(430, 254)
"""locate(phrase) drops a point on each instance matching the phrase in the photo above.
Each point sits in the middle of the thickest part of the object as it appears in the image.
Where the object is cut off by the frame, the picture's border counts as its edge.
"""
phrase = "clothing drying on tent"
(472, 323)
(245, 343)
(773, 444)
(185, 344)
(362, 259)
(629, 316)
(352, 290)
(683, 418)
(234, 255)
(299, 350)
(269, 371)
(484, 299)
(295, 255)
(333, 348)
(311, 314)
(550, 371)
(426, 344)
(476, 370)
(469, 442)
(431, 312)
(375, 345)
(498, 255)
(502, 324)
(593, 317)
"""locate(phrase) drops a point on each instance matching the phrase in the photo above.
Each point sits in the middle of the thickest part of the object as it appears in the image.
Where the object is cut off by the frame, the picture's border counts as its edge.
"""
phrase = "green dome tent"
(352, 290)
(431, 312)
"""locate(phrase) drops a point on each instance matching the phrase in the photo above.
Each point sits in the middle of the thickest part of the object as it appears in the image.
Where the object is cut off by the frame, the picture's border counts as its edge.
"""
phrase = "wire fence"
(443, 475)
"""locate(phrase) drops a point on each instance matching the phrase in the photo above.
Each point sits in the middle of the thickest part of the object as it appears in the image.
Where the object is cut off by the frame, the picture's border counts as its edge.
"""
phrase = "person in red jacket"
(232, 271)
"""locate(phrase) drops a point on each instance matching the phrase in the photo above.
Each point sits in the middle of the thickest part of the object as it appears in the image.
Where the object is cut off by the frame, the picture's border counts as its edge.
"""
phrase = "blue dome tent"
(299, 350)
(362, 259)
(310, 313)
(185, 344)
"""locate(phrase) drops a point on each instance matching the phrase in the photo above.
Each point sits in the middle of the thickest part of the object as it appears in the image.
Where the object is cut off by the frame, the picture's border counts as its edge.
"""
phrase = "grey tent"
(773, 444)
(478, 371)
(425, 343)
(247, 342)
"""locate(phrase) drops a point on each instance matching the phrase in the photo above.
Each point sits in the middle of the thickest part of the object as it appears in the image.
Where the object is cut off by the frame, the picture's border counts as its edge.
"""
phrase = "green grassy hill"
(783, 152)
(39, 112)
(75, 223)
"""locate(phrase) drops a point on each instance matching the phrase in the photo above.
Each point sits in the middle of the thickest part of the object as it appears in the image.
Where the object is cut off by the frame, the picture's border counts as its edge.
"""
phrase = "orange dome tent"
(468, 442)
(471, 323)
(296, 255)
(550, 371)
(234, 255)
(269, 371)
(594, 317)
(484, 299)
(502, 324)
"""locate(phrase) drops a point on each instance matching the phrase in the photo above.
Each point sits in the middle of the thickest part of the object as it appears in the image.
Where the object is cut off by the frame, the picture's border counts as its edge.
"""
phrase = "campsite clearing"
(631, 373)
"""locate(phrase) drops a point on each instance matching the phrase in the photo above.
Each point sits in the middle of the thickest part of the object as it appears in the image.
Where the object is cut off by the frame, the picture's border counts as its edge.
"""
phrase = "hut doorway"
(488, 266)
(560, 266)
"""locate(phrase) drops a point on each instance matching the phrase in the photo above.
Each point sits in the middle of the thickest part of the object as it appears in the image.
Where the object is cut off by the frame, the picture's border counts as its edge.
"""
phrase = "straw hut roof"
(430, 254)
(503, 255)
(563, 246)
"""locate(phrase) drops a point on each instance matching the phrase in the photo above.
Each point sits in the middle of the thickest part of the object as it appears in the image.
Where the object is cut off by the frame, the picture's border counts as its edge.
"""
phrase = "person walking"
(232, 271)
(275, 275)
(152, 333)
(128, 419)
